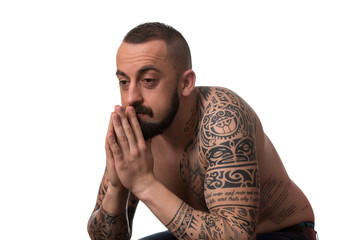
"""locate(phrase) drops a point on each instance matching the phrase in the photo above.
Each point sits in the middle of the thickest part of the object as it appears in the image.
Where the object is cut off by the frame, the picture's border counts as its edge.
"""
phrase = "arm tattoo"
(187, 222)
(101, 194)
(103, 225)
(227, 167)
(273, 195)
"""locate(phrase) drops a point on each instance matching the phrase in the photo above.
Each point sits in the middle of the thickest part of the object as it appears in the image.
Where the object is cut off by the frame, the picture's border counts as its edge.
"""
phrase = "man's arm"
(115, 206)
(113, 213)
(231, 184)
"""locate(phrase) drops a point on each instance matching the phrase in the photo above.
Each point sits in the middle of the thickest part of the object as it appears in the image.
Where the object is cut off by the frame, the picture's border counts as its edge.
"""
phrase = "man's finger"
(125, 131)
(110, 164)
(119, 131)
(135, 125)
(114, 147)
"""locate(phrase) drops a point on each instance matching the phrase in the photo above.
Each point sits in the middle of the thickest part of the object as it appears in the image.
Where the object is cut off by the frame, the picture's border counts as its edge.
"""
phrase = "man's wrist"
(115, 200)
(146, 189)
(117, 189)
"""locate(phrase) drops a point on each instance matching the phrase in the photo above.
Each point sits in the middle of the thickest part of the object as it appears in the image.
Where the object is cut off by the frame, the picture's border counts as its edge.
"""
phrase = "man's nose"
(134, 95)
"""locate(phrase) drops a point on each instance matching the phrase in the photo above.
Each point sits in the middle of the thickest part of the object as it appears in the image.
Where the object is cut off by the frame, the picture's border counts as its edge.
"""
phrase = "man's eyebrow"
(118, 72)
(140, 71)
(147, 68)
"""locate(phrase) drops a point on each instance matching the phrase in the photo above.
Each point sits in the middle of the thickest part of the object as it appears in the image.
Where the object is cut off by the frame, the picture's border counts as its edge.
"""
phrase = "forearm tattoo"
(103, 225)
(226, 168)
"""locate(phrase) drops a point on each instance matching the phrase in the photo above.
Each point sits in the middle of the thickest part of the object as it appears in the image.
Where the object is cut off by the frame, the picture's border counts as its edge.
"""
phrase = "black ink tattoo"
(219, 163)
(233, 177)
(270, 204)
(181, 221)
(103, 225)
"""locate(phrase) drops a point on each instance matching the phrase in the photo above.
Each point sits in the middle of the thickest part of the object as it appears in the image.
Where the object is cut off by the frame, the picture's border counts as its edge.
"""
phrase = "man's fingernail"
(120, 109)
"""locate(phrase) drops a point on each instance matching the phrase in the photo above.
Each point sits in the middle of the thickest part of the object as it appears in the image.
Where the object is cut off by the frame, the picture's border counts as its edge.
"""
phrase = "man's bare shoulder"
(227, 109)
(219, 96)
(227, 126)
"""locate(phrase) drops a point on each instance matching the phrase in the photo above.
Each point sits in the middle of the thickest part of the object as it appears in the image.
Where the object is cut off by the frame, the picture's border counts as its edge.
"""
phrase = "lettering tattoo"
(219, 163)
(273, 197)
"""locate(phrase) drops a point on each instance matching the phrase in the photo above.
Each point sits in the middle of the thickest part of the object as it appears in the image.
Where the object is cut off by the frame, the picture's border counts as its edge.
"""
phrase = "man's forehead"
(151, 49)
(133, 58)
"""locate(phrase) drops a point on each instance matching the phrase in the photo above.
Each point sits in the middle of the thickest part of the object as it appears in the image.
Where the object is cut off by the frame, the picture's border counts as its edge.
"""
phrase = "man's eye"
(148, 82)
(123, 82)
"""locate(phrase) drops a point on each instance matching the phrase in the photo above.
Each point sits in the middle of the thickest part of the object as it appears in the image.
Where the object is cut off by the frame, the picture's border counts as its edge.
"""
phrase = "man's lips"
(142, 115)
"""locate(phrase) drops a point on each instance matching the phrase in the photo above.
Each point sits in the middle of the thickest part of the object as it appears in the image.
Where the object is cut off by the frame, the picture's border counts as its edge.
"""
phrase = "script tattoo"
(273, 199)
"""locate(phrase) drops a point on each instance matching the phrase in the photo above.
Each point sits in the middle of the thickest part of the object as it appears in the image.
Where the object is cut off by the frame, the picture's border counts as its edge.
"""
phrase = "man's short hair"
(178, 49)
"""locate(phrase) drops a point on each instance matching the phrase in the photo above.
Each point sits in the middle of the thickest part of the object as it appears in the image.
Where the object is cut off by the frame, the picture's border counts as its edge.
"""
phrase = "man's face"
(148, 83)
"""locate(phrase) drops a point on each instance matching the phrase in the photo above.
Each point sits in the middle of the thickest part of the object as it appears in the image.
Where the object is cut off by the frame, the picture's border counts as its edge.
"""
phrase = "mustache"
(143, 110)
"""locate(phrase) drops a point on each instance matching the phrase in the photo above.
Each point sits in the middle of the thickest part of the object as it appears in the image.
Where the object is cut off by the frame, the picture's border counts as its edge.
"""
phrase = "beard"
(151, 130)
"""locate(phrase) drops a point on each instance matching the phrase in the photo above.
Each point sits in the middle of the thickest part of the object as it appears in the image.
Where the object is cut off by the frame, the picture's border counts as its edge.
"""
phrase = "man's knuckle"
(123, 139)
(135, 152)
(128, 129)
(117, 151)
(142, 146)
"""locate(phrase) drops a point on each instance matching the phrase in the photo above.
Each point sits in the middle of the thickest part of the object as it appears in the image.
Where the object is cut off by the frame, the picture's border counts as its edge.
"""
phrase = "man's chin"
(150, 130)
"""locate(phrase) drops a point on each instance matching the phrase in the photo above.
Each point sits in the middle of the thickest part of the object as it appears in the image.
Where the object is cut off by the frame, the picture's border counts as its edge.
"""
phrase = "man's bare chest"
(183, 174)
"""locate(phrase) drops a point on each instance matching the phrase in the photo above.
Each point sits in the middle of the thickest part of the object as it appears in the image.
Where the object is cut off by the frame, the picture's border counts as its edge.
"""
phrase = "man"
(197, 157)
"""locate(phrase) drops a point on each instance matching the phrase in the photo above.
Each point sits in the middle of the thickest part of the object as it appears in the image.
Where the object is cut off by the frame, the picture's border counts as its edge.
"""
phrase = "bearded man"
(197, 157)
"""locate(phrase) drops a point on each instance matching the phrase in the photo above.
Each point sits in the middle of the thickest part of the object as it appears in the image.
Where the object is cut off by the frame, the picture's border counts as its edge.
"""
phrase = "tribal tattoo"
(103, 225)
(220, 164)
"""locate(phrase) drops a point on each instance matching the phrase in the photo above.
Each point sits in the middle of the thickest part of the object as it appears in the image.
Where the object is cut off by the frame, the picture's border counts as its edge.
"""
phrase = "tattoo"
(232, 177)
(101, 194)
(219, 164)
(187, 222)
(192, 168)
(228, 143)
(103, 225)
(273, 196)
(181, 221)
(243, 218)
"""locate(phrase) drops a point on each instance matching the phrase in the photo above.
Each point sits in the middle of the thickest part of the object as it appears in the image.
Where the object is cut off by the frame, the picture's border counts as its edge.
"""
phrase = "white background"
(295, 62)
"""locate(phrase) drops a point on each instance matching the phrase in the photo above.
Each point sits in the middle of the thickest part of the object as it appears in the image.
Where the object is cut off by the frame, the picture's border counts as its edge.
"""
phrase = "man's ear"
(188, 82)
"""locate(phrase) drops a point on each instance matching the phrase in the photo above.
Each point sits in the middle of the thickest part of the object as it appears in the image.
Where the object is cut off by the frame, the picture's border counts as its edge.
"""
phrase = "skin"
(218, 175)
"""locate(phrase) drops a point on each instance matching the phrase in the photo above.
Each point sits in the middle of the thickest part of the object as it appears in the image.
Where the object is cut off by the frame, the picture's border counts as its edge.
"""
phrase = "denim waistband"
(307, 224)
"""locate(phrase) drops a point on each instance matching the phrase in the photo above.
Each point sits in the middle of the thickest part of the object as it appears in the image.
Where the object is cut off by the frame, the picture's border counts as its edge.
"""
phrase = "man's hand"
(110, 161)
(132, 158)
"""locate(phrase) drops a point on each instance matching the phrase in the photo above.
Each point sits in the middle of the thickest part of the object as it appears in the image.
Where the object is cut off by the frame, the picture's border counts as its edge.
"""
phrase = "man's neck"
(184, 126)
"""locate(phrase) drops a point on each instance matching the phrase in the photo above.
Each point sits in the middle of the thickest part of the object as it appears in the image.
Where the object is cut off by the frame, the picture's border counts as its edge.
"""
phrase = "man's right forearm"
(109, 221)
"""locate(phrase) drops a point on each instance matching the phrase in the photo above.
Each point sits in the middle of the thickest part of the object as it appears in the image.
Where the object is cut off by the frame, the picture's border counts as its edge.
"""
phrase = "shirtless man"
(197, 157)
